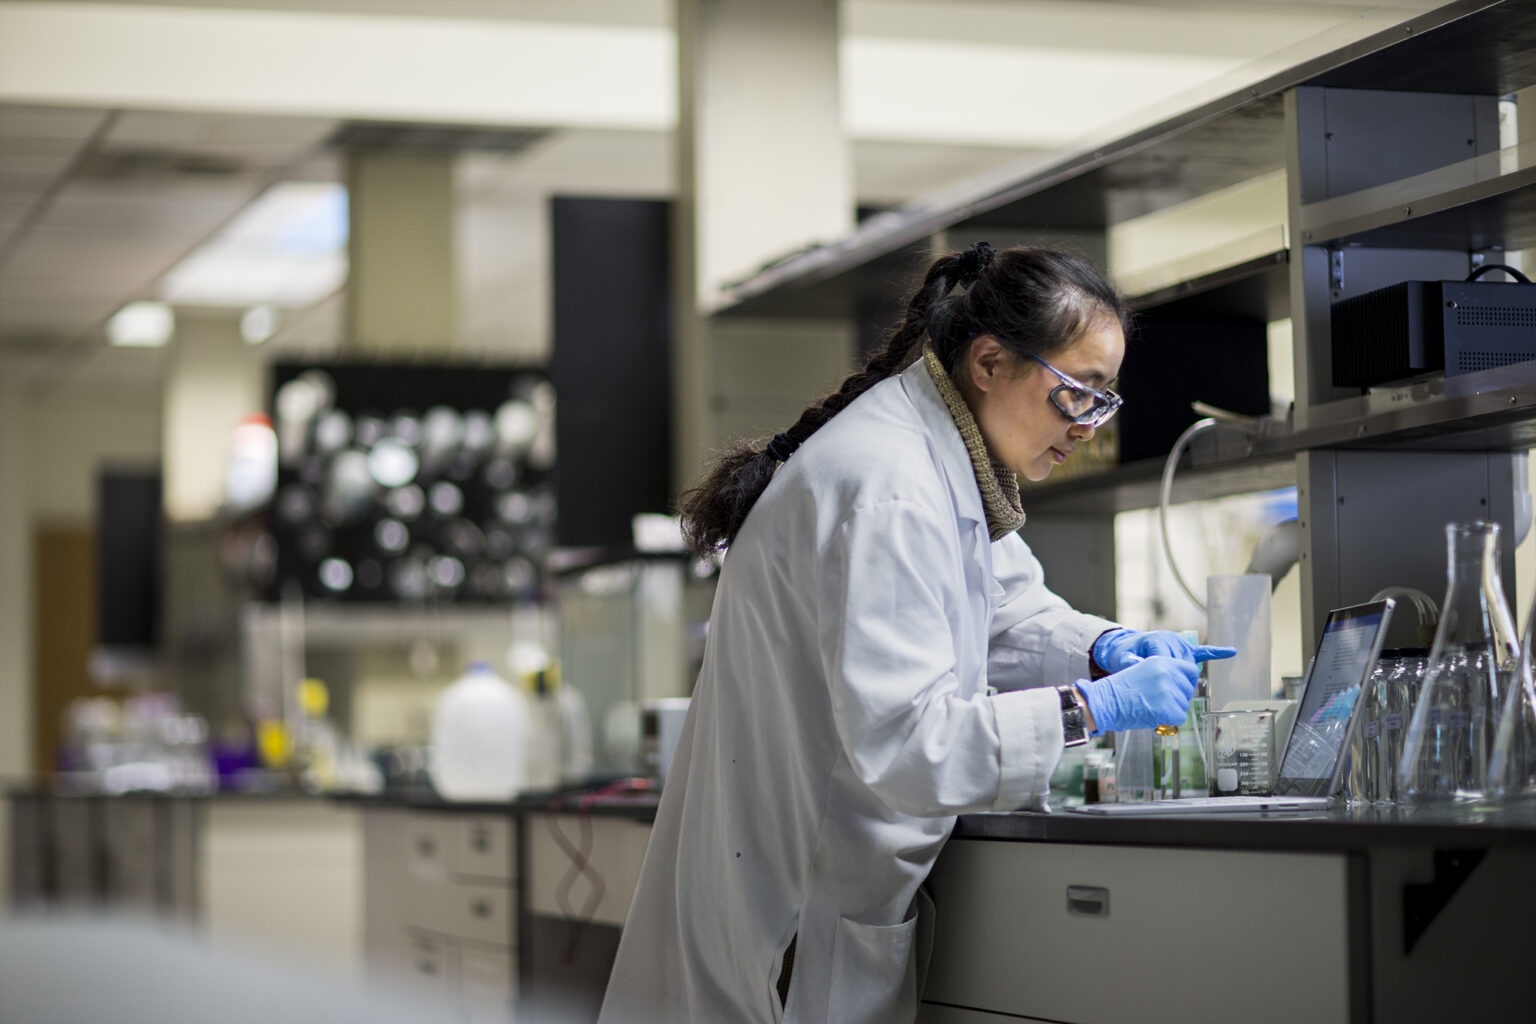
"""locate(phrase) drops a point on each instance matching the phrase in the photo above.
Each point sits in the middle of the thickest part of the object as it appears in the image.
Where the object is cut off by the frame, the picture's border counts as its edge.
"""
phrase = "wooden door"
(63, 632)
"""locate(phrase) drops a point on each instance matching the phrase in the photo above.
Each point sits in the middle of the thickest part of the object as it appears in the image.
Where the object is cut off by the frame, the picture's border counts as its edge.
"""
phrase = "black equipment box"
(1419, 326)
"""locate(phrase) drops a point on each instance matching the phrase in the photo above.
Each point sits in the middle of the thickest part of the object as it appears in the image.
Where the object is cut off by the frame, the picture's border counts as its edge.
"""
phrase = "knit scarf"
(999, 485)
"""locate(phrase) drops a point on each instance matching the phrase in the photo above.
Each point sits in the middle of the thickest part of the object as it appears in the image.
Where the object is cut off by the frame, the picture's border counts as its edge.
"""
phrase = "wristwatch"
(1074, 717)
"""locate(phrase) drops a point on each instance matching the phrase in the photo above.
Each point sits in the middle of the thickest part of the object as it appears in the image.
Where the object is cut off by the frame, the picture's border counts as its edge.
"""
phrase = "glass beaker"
(1240, 752)
(1445, 754)
(1135, 781)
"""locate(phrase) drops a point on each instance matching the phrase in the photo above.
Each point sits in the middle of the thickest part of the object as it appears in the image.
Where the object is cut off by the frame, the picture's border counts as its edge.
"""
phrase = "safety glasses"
(1080, 403)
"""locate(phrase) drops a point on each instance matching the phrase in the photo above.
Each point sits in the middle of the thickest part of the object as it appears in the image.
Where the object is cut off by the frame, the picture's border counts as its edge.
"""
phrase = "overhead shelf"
(1481, 203)
(1246, 278)
(1233, 135)
(1491, 410)
(1136, 485)
(1480, 48)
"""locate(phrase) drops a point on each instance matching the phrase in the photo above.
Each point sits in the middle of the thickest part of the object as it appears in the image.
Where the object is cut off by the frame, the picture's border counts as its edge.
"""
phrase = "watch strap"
(1074, 717)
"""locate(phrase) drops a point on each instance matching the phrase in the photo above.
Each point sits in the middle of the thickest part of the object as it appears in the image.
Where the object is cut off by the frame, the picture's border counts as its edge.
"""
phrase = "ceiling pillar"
(763, 169)
(213, 380)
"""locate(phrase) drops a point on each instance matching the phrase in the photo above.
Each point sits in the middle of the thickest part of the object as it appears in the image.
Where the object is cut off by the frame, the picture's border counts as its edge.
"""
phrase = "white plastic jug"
(480, 738)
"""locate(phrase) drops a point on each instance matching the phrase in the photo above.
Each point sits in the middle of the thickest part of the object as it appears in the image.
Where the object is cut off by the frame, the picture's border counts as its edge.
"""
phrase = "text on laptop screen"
(1322, 722)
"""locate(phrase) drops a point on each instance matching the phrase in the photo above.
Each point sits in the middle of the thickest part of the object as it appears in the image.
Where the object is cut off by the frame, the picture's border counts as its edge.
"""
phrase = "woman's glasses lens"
(1079, 405)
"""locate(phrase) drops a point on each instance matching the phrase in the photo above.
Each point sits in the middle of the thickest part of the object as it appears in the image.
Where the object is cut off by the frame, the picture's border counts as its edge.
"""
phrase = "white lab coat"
(840, 722)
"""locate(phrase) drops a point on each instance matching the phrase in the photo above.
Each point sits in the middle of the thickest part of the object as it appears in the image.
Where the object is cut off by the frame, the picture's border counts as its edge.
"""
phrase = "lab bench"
(278, 869)
(487, 906)
(476, 907)
(1365, 914)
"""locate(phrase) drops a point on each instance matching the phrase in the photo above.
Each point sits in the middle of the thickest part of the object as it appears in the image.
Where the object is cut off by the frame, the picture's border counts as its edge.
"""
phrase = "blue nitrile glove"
(1153, 691)
(1110, 650)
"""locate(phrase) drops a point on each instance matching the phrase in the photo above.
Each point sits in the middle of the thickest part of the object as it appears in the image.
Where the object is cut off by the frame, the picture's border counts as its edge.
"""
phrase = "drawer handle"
(481, 908)
(1087, 901)
(427, 967)
(425, 847)
(482, 840)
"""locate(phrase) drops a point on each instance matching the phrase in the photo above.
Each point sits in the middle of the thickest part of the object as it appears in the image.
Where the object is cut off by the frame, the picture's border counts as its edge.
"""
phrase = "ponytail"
(713, 511)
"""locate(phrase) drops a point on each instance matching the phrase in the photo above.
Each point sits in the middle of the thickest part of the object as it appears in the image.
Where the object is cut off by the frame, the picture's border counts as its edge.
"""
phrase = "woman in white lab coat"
(883, 655)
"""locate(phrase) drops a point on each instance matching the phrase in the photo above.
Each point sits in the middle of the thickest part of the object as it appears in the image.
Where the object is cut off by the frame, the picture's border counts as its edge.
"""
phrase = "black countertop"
(1341, 829)
(635, 805)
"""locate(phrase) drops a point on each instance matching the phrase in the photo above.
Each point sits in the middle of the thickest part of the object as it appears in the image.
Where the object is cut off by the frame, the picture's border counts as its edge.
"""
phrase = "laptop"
(1312, 759)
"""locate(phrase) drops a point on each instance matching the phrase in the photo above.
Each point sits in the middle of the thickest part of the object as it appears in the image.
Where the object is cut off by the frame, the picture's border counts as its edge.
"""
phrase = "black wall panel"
(611, 365)
(1171, 363)
(128, 559)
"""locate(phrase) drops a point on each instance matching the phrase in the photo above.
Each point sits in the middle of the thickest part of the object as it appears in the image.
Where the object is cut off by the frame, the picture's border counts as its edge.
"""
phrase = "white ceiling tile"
(28, 122)
(13, 210)
(174, 189)
(29, 319)
(85, 369)
(59, 152)
(130, 257)
(33, 162)
(25, 181)
(19, 367)
(95, 208)
(265, 141)
(19, 288)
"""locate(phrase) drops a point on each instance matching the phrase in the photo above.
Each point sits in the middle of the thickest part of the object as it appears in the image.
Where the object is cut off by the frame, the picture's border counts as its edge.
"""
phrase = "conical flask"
(1512, 766)
(1445, 754)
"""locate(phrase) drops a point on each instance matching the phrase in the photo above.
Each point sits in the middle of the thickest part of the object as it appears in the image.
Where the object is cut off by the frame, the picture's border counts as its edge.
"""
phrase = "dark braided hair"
(1034, 301)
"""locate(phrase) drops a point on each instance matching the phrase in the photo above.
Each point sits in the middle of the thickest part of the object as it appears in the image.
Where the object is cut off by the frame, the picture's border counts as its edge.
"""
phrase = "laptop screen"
(1351, 640)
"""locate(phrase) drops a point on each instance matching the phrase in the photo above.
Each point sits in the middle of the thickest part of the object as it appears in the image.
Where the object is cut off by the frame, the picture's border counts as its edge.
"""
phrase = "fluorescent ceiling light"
(259, 323)
(141, 325)
(287, 249)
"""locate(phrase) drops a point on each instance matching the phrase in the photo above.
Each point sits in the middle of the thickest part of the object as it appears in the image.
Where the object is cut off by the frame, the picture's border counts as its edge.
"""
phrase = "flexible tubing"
(1166, 492)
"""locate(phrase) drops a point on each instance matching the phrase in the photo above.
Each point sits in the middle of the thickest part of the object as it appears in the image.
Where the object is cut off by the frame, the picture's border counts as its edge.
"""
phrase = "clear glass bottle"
(1360, 780)
(1445, 753)
(1399, 690)
(1192, 777)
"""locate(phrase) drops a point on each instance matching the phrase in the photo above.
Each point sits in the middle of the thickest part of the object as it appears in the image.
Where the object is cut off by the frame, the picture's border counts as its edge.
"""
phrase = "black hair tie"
(782, 447)
(974, 262)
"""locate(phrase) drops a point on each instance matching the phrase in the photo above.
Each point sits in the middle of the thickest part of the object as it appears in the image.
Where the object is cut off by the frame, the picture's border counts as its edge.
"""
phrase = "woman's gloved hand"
(1153, 691)
(1121, 648)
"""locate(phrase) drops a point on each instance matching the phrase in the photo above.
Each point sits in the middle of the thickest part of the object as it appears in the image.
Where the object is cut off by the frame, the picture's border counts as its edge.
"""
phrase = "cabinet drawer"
(479, 913)
(489, 982)
(432, 968)
(483, 846)
(1019, 926)
(429, 841)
